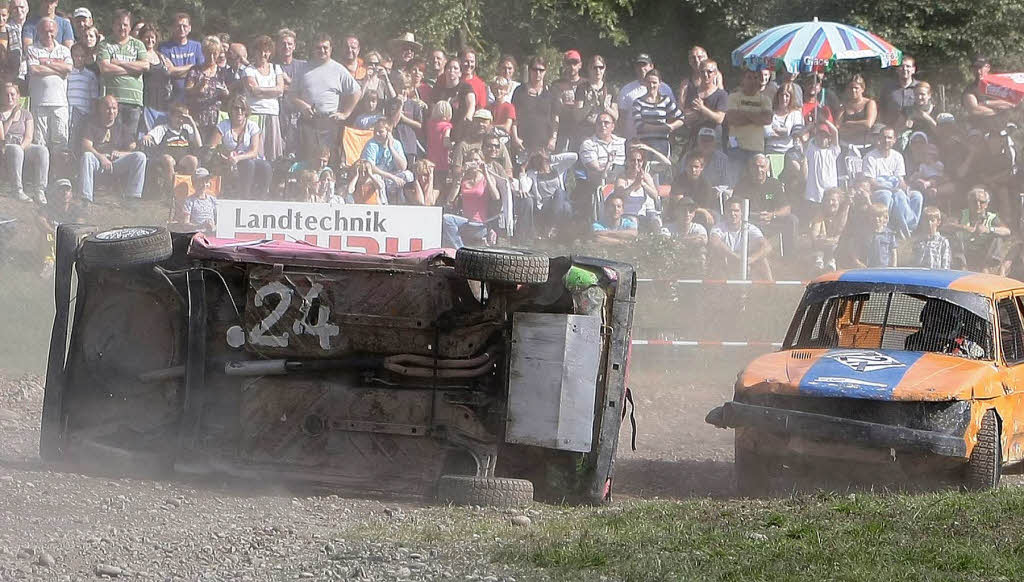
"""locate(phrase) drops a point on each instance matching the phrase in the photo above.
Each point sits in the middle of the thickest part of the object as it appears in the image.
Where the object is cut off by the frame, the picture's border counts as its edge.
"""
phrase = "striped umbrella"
(811, 46)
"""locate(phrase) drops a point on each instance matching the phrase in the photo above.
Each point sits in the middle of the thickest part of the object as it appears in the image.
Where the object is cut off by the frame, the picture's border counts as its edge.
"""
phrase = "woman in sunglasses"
(236, 144)
(704, 104)
(594, 96)
(536, 125)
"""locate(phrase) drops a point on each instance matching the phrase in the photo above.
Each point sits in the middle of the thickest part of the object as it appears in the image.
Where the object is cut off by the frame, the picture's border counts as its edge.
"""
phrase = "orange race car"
(887, 369)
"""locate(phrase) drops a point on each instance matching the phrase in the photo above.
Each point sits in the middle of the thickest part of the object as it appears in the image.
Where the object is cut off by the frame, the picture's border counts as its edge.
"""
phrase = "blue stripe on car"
(850, 373)
(922, 277)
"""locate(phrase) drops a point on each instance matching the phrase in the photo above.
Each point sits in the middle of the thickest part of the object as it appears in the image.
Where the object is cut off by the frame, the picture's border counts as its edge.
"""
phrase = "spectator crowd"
(829, 177)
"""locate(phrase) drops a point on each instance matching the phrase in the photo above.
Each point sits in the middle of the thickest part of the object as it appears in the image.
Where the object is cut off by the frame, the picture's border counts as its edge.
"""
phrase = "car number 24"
(313, 318)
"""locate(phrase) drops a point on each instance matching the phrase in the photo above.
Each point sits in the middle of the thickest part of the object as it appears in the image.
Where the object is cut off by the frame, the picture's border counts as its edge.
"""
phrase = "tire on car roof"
(502, 265)
(489, 491)
(126, 246)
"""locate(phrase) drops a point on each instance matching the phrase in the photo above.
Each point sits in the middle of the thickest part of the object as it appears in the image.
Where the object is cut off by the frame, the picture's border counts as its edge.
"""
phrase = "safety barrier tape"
(723, 282)
(705, 343)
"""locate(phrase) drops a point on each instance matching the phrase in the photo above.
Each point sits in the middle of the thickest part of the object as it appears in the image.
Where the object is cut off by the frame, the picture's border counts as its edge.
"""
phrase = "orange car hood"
(870, 374)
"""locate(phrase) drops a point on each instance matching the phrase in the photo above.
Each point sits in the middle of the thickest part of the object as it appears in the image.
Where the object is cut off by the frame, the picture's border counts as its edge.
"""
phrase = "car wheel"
(491, 491)
(501, 265)
(984, 467)
(126, 246)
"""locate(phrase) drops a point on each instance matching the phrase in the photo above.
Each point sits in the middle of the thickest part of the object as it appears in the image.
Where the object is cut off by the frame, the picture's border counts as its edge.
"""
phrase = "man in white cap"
(473, 141)
(81, 19)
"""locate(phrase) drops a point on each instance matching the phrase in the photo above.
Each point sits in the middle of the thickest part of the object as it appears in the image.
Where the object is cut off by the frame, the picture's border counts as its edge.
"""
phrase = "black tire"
(501, 265)
(984, 467)
(490, 491)
(126, 246)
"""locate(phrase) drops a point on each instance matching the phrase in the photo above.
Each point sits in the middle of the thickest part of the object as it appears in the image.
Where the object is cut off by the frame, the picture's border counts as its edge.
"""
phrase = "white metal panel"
(553, 380)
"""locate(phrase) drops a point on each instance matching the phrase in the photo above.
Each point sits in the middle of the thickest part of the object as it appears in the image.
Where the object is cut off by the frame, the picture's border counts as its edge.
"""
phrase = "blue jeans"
(36, 157)
(904, 208)
(130, 171)
(454, 227)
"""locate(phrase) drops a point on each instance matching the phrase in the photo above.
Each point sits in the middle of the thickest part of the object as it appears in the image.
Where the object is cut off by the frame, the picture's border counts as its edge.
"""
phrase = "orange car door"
(1011, 343)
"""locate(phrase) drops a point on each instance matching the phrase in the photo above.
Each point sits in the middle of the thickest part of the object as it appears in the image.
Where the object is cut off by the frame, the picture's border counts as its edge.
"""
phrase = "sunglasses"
(597, 67)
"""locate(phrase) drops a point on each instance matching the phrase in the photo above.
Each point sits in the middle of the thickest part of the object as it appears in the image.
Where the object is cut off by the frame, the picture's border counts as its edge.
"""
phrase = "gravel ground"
(65, 526)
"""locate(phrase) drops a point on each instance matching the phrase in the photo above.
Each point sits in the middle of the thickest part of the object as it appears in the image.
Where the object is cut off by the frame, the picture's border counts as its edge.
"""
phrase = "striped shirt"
(83, 88)
(127, 89)
(651, 119)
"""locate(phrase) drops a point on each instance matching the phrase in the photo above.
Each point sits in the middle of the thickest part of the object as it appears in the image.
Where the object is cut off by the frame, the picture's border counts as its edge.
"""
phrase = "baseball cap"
(944, 118)
(707, 132)
(63, 183)
(797, 129)
(201, 173)
(918, 135)
(643, 58)
(980, 60)
(483, 114)
(573, 55)
(82, 12)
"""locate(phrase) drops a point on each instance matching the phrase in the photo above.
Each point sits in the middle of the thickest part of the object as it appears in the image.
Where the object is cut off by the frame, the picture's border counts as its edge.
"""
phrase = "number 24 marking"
(322, 328)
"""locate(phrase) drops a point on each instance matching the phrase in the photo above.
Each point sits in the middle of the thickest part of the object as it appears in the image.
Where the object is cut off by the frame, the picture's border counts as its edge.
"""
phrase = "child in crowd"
(822, 165)
(421, 191)
(439, 140)
(931, 249)
(200, 209)
(369, 111)
(879, 248)
(83, 89)
(929, 175)
(503, 110)
(827, 227)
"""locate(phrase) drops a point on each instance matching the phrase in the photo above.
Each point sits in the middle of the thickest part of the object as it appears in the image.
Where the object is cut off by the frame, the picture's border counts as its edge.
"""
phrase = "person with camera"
(469, 206)
(365, 186)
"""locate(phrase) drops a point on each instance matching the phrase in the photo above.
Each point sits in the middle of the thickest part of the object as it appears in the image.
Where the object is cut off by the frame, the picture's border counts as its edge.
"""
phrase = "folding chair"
(352, 143)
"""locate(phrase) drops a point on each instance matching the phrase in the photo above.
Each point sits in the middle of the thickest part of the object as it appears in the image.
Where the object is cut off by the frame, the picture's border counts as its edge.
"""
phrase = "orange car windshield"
(894, 321)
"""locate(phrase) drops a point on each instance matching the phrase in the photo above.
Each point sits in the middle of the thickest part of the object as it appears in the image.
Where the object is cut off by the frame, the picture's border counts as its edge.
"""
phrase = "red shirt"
(503, 112)
(479, 89)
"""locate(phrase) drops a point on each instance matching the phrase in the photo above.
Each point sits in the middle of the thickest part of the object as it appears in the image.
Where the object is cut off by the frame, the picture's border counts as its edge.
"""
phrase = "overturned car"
(913, 370)
(481, 377)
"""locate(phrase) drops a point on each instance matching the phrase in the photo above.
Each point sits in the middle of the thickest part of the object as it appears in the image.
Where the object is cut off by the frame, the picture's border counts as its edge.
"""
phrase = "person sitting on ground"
(887, 168)
(19, 151)
(104, 151)
(826, 229)
(931, 249)
(237, 142)
(770, 208)
(386, 155)
(615, 227)
(725, 244)
(476, 192)
(172, 147)
(979, 236)
(200, 209)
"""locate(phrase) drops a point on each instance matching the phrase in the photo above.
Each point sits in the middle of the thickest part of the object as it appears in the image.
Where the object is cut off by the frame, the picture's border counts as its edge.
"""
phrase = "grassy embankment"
(937, 536)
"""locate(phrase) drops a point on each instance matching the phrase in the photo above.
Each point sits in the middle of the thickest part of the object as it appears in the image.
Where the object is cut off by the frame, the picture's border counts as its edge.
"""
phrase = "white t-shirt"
(822, 170)
(48, 90)
(734, 238)
(594, 150)
(241, 145)
(877, 165)
(265, 105)
(780, 144)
